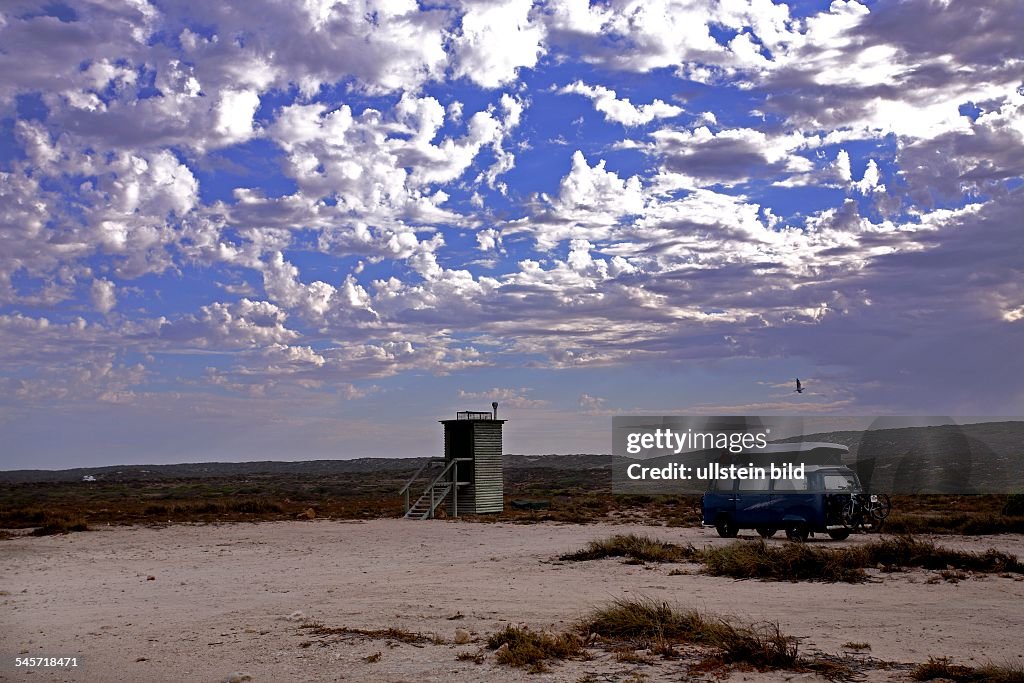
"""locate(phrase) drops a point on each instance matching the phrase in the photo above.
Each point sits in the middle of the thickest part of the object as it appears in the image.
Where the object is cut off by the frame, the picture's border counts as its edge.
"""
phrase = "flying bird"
(799, 388)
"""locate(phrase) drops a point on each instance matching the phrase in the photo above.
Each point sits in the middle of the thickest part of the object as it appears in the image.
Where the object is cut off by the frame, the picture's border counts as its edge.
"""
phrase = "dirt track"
(230, 599)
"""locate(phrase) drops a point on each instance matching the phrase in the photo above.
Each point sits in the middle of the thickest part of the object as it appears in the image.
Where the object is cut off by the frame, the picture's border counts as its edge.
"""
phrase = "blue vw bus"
(819, 502)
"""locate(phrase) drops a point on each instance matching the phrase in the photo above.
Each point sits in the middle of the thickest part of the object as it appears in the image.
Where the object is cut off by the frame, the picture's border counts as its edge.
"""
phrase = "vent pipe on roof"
(494, 405)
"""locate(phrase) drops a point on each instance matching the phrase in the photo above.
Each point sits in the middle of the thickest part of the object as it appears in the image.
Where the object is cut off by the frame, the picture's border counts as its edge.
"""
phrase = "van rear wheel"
(766, 531)
(726, 528)
(797, 531)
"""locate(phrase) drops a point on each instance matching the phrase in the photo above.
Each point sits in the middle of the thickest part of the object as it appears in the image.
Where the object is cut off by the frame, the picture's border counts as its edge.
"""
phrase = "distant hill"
(983, 457)
(204, 470)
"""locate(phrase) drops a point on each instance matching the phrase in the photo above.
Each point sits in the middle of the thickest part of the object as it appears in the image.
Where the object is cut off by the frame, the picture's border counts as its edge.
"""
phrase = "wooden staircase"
(440, 489)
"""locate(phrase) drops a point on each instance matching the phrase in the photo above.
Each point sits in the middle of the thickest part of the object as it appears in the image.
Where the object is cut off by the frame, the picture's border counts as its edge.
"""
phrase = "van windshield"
(840, 482)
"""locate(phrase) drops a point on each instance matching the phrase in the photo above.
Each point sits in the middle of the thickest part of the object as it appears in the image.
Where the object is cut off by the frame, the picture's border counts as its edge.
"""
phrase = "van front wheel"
(726, 528)
(797, 531)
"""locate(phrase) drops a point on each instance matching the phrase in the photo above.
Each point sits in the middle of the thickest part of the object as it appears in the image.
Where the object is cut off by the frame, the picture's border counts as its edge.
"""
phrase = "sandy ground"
(230, 599)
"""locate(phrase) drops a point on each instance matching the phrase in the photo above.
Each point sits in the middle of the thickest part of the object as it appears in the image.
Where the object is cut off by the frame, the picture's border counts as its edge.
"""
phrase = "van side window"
(791, 484)
(839, 482)
(722, 485)
(753, 485)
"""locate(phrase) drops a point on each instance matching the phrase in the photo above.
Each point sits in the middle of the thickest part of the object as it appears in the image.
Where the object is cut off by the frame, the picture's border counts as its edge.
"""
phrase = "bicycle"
(866, 512)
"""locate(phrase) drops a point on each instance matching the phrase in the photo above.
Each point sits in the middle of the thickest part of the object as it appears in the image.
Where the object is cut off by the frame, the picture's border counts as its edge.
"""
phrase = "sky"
(281, 231)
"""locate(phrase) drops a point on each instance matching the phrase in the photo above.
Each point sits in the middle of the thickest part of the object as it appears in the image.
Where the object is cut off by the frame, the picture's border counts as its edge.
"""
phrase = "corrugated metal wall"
(488, 477)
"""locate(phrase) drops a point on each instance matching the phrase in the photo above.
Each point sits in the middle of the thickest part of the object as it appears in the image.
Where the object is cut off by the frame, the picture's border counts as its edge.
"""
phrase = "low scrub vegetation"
(785, 562)
(626, 626)
(53, 525)
(1014, 505)
(252, 506)
(943, 669)
(634, 547)
(396, 634)
(651, 624)
(967, 515)
(800, 562)
(906, 551)
(519, 646)
(964, 524)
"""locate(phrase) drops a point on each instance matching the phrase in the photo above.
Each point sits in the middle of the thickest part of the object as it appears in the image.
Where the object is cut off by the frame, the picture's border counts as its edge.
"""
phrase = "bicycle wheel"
(879, 508)
(850, 515)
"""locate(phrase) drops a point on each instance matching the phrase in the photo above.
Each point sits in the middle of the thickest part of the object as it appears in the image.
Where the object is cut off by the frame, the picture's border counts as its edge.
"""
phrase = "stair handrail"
(430, 487)
(446, 468)
(405, 489)
(428, 463)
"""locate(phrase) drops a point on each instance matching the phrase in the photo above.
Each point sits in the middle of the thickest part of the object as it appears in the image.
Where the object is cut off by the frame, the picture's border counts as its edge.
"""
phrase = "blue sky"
(267, 231)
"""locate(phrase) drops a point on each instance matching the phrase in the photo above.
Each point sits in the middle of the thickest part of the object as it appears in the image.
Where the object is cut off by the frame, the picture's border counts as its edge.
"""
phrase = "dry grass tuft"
(786, 562)
(60, 525)
(396, 634)
(519, 646)
(906, 551)
(800, 562)
(943, 669)
(648, 623)
(634, 546)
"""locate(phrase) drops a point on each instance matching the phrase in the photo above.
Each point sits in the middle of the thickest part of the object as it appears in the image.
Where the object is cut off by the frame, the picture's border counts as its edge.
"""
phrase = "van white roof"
(800, 447)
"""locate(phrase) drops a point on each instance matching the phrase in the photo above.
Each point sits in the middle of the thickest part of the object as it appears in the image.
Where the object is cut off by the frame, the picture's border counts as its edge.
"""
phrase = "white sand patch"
(232, 598)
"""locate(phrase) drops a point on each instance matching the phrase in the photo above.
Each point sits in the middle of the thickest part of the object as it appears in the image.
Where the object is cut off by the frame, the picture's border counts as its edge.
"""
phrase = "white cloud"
(506, 397)
(393, 194)
(700, 157)
(243, 324)
(870, 180)
(488, 239)
(234, 114)
(842, 166)
(594, 189)
(103, 295)
(622, 110)
(385, 167)
(497, 38)
(637, 35)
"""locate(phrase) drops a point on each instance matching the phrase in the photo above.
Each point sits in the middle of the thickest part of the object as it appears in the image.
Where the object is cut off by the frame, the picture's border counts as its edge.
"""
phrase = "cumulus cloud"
(495, 39)
(398, 192)
(643, 36)
(234, 114)
(591, 403)
(622, 110)
(505, 396)
(103, 295)
(243, 324)
(699, 157)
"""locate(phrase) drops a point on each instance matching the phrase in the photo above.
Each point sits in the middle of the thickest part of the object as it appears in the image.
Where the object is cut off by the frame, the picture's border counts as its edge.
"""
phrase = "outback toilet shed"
(471, 480)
